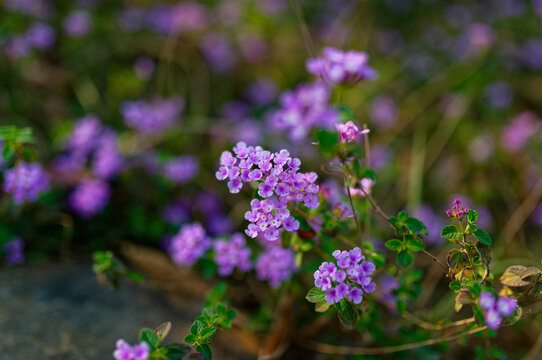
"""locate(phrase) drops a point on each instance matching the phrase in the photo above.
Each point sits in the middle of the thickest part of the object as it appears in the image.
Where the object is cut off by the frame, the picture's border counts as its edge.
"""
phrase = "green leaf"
(416, 225)
(197, 327)
(345, 113)
(190, 339)
(232, 313)
(457, 260)
(150, 337)
(368, 173)
(483, 237)
(321, 306)
(415, 245)
(207, 332)
(315, 295)
(402, 216)
(176, 351)
(455, 285)
(404, 258)
(205, 350)
(472, 216)
(345, 310)
(450, 232)
(394, 244)
(327, 140)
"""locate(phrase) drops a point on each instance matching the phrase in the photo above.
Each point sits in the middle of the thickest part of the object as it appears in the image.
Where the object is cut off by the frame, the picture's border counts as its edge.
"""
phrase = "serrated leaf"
(457, 260)
(315, 295)
(205, 350)
(415, 245)
(345, 310)
(150, 337)
(197, 327)
(416, 225)
(472, 216)
(483, 237)
(190, 339)
(207, 332)
(394, 244)
(455, 285)
(402, 216)
(450, 232)
(404, 258)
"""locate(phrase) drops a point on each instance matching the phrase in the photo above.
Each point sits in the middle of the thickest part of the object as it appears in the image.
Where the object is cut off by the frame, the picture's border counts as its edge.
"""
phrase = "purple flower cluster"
(124, 351)
(275, 265)
(25, 182)
(496, 309)
(279, 184)
(348, 132)
(231, 254)
(89, 138)
(152, 116)
(350, 278)
(14, 251)
(89, 197)
(189, 244)
(339, 66)
(303, 109)
(39, 36)
(457, 212)
(365, 186)
(181, 169)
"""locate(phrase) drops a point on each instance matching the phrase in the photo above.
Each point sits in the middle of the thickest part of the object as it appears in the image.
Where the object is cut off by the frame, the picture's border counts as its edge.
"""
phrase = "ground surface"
(60, 312)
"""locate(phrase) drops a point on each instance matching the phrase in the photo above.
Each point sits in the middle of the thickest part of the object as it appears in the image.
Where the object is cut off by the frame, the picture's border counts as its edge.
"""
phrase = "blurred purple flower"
(253, 48)
(458, 16)
(339, 66)
(40, 35)
(380, 156)
(14, 251)
(89, 197)
(144, 67)
(532, 54)
(516, 134)
(189, 244)
(303, 109)
(232, 254)
(218, 52)
(152, 116)
(85, 134)
(262, 92)
(77, 23)
(17, 47)
(499, 95)
(275, 265)
(25, 182)
(384, 112)
(235, 110)
(181, 169)
(433, 222)
(107, 161)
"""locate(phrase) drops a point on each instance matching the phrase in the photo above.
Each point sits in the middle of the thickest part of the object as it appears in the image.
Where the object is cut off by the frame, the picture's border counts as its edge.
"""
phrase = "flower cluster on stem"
(279, 183)
(496, 308)
(349, 278)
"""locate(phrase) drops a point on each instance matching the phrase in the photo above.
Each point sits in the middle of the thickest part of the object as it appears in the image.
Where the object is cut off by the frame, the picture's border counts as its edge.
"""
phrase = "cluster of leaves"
(13, 139)
(468, 263)
(409, 231)
(155, 338)
(215, 315)
(521, 281)
(110, 270)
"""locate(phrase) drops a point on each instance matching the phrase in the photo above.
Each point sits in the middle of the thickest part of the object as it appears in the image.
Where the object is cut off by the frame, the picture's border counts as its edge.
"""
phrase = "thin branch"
(426, 325)
(347, 350)
(356, 219)
(437, 261)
